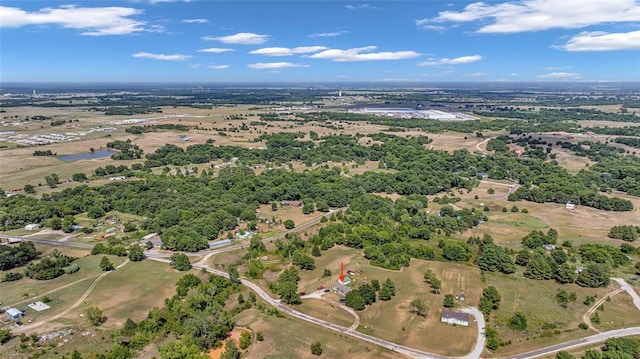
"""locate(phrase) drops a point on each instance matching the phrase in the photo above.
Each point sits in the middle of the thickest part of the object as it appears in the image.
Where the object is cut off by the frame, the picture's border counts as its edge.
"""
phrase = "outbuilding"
(14, 313)
(32, 227)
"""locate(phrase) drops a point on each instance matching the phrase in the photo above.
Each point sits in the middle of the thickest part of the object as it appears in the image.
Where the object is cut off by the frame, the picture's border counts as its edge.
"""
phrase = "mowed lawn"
(291, 338)
(331, 312)
(392, 320)
(537, 300)
(132, 291)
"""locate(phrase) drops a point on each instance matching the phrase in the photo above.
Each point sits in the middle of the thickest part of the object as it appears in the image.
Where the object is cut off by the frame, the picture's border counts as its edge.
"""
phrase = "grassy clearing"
(536, 299)
(284, 213)
(508, 228)
(618, 313)
(326, 311)
(13, 293)
(140, 286)
(291, 338)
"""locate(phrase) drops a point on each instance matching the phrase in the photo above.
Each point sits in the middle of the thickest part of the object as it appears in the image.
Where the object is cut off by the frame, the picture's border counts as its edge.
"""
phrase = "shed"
(570, 205)
(32, 227)
(14, 313)
(153, 238)
(455, 318)
(223, 242)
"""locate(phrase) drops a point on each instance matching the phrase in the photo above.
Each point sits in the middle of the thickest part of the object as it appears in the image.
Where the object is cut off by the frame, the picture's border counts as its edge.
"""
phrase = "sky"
(319, 41)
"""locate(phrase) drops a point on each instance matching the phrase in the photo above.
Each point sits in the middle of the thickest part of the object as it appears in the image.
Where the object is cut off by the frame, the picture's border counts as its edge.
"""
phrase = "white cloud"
(274, 65)
(94, 21)
(241, 38)
(602, 41)
(363, 54)
(215, 50)
(453, 61)
(477, 74)
(555, 68)
(172, 57)
(560, 75)
(285, 51)
(153, 2)
(361, 6)
(196, 21)
(218, 67)
(537, 15)
(328, 34)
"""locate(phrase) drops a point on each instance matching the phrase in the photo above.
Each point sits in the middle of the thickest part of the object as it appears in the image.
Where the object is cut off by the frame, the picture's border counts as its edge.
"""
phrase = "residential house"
(455, 318)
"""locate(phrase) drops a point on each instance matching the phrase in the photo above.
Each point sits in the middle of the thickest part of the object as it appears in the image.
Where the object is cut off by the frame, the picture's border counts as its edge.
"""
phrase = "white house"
(14, 313)
(455, 318)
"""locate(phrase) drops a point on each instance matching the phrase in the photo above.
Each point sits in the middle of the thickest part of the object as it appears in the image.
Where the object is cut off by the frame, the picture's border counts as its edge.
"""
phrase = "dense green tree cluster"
(16, 256)
(536, 239)
(194, 318)
(627, 233)
(494, 258)
(180, 261)
(603, 253)
(490, 300)
(112, 249)
(629, 141)
(127, 150)
(49, 267)
(288, 286)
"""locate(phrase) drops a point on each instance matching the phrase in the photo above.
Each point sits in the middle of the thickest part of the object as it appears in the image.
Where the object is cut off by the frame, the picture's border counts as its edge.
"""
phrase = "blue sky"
(319, 41)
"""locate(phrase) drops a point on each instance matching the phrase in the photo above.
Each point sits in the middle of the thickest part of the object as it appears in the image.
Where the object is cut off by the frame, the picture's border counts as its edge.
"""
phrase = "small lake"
(101, 153)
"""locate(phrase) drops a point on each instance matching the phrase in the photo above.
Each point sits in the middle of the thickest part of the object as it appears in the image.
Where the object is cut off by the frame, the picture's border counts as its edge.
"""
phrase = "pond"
(101, 153)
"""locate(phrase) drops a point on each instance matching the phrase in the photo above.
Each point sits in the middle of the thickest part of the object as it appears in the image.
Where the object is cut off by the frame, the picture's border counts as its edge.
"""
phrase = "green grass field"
(330, 312)
(13, 293)
(132, 291)
(536, 299)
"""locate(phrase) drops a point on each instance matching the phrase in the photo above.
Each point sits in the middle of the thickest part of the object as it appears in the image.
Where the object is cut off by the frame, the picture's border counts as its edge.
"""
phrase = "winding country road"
(408, 351)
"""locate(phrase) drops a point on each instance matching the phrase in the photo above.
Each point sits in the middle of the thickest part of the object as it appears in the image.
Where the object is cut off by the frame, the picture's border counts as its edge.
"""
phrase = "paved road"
(52, 241)
(629, 289)
(594, 339)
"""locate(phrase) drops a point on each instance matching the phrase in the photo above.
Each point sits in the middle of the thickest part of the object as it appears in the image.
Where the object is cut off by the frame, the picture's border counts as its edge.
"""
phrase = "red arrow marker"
(342, 272)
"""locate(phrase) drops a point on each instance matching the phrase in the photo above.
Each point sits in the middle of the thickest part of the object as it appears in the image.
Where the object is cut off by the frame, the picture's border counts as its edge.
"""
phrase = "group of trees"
(127, 150)
(17, 256)
(195, 317)
(365, 294)
(51, 266)
(627, 233)
(613, 348)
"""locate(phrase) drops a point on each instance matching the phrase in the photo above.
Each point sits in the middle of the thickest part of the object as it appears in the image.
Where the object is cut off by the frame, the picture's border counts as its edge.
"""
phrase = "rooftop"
(455, 315)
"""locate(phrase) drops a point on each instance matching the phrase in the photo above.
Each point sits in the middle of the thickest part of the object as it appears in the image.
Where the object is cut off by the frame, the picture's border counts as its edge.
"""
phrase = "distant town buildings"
(413, 113)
